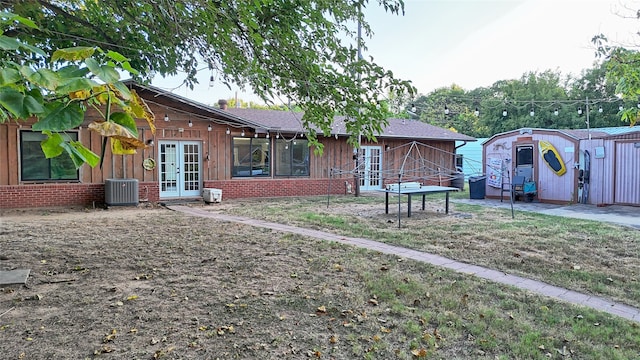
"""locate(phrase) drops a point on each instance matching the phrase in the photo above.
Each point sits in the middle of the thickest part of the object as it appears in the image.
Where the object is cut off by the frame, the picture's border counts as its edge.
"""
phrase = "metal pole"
(329, 187)
(588, 125)
(356, 151)
(399, 193)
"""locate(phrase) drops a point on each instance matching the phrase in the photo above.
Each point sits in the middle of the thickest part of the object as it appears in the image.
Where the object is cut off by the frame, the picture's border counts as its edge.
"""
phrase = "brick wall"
(89, 195)
(234, 189)
(64, 195)
(50, 195)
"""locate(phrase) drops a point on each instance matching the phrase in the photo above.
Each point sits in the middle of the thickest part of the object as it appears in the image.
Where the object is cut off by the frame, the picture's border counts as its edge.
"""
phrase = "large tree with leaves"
(305, 50)
(57, 89)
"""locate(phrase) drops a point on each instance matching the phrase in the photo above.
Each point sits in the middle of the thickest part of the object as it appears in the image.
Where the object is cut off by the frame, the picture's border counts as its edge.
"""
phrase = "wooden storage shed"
(592, 166)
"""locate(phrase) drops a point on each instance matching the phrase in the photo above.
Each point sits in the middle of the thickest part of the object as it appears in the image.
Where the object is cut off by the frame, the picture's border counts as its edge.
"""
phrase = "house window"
(459, 162)
(34, 166)
(292, 158)
(250, 157)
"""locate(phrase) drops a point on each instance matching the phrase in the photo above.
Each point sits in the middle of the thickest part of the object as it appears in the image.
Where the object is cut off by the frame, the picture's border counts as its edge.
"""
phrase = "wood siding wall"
(216, 165)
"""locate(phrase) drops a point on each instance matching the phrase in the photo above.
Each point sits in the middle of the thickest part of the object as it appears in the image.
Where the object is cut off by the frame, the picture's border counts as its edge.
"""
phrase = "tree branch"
(59, 11)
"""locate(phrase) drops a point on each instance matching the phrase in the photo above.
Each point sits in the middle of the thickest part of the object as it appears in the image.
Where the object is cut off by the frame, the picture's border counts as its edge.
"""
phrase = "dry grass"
(581, 255)
(154, 284)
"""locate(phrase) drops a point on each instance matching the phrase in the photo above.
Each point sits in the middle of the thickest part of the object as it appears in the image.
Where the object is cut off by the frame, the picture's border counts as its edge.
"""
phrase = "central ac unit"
(121, 191)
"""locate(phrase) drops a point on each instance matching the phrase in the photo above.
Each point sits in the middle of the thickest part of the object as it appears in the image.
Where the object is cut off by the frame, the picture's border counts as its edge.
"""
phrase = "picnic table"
(423, 190)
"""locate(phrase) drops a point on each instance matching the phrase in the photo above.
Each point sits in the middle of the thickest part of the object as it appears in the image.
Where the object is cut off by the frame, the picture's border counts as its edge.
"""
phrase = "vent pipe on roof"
(223, 104)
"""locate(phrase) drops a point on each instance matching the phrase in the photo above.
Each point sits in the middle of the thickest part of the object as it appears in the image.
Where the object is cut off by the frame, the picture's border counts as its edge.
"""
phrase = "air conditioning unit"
(212, 195)
(121, 192)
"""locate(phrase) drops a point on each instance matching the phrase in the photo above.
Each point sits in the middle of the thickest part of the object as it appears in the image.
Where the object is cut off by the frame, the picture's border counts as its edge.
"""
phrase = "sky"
(473, 43)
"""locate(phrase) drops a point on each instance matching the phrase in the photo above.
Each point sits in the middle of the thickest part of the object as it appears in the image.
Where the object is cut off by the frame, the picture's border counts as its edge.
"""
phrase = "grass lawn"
(155, 284)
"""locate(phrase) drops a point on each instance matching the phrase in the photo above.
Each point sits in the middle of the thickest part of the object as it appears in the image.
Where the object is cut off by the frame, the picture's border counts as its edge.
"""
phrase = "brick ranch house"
(243, 152)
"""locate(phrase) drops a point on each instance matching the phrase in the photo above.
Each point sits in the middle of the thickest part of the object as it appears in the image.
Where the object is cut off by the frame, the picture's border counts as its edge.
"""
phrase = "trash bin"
(457, 181)
(477, 187)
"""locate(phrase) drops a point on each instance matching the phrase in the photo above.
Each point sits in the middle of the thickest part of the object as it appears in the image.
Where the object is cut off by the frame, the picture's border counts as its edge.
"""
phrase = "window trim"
(21, 153)
(291, 148)
(268, 163)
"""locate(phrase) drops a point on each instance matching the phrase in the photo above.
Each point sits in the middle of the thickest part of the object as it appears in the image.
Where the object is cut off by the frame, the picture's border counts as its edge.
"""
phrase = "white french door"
(371, 168)
(179, 169)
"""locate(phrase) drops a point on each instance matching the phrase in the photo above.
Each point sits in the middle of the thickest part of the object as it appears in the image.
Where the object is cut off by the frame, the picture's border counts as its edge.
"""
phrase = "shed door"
(179, 170)
(627, 173)
(524, 162)
(370, 170)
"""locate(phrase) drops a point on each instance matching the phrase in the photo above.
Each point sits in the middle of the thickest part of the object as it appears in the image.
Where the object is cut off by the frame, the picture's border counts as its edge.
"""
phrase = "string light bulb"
(555, 112)
(477, 112)
(209, 128)
(504, 112)
(211, 81)
(620, 107)
(532, 112)
(277, 135)
(228, 131)
(267, 136)
(580, 111)
(413, 107)
(166, 117)
(190, 123)
(600, 110)
(255, 135)
(242, 133)
(446, 110)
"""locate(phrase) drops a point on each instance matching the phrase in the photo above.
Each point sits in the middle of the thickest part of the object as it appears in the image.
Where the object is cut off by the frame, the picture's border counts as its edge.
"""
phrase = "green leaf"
(10, 17)
(73, 54)
(33, 49)
(7, 43)
(51, 145)
(116, 56)
(13, 101)
(87, 155)
(72, 71)
(9, 76)
(61, 117)
(126, 121)
(11, 44)
(45, 78)
(76, 156)
(126, 66)
(106, 73)
(123, 89)
(32, 105)
(76, 84)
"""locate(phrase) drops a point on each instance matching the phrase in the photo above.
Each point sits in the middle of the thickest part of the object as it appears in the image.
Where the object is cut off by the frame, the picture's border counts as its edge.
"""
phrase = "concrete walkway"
(615, 214)
(594, 302)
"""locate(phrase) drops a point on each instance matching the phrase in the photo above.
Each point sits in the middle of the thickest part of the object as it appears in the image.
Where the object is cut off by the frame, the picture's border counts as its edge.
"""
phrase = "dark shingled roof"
(288, 121)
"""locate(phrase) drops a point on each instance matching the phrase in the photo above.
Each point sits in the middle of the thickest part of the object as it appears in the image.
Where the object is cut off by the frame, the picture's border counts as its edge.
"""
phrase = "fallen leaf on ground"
(420, 353)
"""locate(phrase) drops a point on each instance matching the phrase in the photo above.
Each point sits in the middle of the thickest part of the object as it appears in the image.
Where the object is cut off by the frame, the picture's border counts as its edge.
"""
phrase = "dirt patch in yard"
(150, 283)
